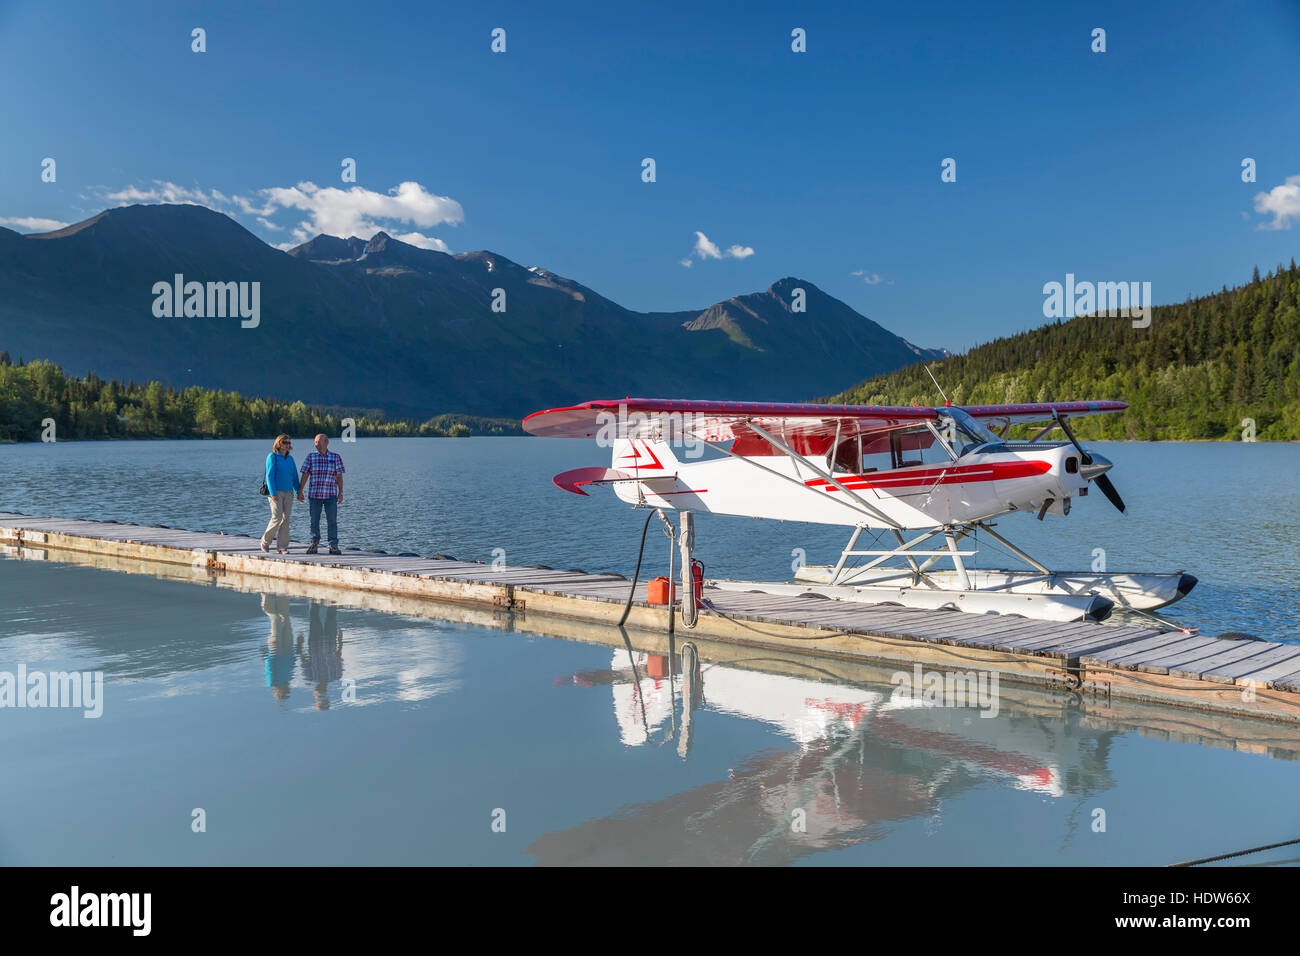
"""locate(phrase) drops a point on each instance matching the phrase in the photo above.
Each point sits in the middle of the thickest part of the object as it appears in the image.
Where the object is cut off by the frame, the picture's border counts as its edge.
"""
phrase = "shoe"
(335, 551)
(266, 549)
(311, 548)
(284, 550)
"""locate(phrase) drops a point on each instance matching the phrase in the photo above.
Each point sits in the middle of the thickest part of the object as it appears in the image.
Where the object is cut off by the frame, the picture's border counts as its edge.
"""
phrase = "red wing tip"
(568, 487)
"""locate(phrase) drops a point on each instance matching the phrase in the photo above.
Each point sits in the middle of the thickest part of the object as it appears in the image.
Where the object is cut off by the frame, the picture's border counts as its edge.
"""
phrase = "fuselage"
(981, 483)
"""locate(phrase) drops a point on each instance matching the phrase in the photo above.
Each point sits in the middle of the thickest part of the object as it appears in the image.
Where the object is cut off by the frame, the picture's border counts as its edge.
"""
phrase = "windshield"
(969, 433)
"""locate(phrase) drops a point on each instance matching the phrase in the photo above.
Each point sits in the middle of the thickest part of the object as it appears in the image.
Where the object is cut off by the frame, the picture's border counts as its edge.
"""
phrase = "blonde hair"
(279, 440)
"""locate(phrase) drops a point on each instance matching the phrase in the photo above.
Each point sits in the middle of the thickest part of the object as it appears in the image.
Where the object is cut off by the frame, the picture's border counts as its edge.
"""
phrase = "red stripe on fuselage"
(889, 480)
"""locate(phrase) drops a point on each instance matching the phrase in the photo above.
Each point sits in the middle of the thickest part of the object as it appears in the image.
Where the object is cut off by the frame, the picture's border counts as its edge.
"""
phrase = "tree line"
(37, 395)
(1215, 367)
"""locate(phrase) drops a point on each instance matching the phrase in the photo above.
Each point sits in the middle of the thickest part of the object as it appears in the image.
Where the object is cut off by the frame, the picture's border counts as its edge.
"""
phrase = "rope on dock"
(1229, 856)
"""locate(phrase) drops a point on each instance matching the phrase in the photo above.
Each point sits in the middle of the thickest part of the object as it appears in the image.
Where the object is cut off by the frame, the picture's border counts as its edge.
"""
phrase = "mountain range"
(382, 324)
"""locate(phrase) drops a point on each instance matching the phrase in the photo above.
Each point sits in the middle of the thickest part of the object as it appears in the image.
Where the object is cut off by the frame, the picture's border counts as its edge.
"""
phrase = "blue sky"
(1115, 166)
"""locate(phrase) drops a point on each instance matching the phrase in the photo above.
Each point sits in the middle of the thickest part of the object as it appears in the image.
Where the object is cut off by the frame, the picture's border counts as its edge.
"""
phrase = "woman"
(281, 486)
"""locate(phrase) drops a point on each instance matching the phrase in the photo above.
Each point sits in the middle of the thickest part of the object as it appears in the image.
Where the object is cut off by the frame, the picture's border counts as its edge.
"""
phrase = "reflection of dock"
(1248, 678)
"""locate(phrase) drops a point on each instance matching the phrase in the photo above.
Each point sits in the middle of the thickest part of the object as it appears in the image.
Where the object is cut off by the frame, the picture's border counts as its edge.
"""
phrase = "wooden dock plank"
(1051, 633)
(1121, 656)
(865, 619)
(993, 637)
(1196, 656)
(1204, 668)
(447, 567)
(1192, 649)
(1259, 669)
(865, 612)
(598, 589)
(1108, 655)
(1290, 682)
(1117, 638)
(505, 575)
(1268, 675)
(894, 619)
(1160, 663)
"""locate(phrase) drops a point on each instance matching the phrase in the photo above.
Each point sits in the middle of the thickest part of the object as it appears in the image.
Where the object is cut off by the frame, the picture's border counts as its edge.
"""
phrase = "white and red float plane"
(940, 471)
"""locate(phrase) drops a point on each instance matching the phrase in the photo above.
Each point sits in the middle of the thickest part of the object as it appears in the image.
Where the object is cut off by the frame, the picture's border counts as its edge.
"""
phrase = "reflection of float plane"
(863, 758)
(810, 712)
(940, 471)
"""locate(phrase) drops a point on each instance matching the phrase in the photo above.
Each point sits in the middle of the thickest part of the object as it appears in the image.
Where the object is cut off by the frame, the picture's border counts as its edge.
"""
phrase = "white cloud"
(330, 211)
(422, 241)
(32, 223)
(363, 212)
(870, 278)
(705, 248)
(1280, 202)
(167, 192)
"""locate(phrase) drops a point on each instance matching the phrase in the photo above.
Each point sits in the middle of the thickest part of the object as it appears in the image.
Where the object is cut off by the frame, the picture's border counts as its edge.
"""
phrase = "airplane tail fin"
(643, 457)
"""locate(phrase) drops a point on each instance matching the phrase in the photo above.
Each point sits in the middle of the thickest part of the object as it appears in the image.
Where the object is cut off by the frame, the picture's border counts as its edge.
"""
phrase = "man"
(322, 477)
(322, 661)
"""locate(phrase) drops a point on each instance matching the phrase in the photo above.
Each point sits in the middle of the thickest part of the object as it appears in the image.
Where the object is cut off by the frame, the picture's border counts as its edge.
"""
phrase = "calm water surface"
(314, 733)
(1225, 512)
(308, 733)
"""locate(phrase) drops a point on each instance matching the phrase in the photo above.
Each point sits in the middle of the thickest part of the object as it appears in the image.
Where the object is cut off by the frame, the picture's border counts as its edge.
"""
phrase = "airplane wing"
(799, 424)
(807, 428)
(1040, 412)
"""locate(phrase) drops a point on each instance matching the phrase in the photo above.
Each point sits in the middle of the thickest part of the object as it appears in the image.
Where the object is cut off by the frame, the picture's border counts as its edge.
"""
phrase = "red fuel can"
(658, 591)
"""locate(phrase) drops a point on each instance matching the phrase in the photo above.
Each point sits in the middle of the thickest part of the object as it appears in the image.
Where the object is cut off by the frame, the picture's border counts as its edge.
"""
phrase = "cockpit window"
(970, 435)
(900, 447)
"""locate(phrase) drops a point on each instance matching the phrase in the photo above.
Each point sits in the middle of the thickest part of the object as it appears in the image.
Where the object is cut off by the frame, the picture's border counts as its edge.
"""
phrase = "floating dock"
(1246, 678)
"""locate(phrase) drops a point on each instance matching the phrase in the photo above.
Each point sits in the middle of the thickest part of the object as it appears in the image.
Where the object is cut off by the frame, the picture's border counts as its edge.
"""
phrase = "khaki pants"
(281, 505)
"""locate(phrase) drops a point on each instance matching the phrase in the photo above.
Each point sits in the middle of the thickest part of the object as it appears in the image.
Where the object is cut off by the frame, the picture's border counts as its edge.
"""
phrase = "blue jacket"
(281, 473)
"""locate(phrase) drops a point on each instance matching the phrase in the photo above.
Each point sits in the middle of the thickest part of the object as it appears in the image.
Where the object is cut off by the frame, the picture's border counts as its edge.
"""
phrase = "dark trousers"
(331, 506)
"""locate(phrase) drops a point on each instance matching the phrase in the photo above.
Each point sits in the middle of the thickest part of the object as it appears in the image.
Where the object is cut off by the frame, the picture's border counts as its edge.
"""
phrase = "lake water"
(1225, 512)
(306, 733)
(301, 731)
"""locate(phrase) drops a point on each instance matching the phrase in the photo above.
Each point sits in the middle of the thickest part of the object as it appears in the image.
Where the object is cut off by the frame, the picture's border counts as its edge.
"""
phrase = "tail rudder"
(644, 457)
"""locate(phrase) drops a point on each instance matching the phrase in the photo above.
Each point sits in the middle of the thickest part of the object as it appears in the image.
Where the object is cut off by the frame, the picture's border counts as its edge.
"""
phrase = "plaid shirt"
(321, 471)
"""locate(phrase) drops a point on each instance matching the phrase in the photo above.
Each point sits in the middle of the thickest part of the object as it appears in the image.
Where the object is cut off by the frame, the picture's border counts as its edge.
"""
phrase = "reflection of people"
(322, 661)
(281, 484)
(322, 480)
(279, 648)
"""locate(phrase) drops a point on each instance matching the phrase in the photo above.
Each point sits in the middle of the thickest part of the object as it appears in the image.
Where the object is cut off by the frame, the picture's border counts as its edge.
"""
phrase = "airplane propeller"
(1094, 468)
(1108, 489)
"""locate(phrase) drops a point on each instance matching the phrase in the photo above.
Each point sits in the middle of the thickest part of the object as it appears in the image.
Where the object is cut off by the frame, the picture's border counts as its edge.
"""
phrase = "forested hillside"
(89, 407)
(1199, 369)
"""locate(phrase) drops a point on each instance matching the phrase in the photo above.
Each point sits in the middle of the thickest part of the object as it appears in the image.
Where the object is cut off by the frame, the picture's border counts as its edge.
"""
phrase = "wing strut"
(865, 508)
(869, 511)
(794, 455)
